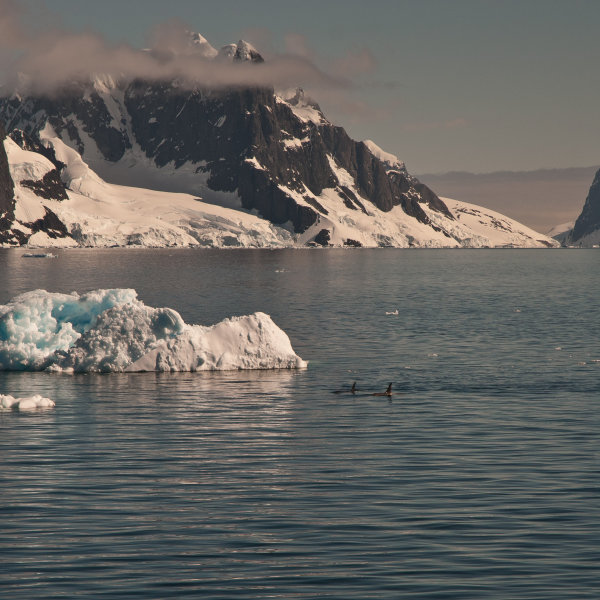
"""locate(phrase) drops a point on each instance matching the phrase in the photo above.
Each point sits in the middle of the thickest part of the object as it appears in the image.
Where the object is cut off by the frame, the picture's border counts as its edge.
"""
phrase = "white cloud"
(53, 57)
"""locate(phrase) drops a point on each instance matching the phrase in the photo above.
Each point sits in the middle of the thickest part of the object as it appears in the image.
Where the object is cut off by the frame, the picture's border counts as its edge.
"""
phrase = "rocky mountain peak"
(241, 52)
(587, 227)
(198, 44)
(299, 98)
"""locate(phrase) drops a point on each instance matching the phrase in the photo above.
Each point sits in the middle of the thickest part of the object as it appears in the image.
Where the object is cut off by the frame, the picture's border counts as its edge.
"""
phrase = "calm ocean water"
(478, 479)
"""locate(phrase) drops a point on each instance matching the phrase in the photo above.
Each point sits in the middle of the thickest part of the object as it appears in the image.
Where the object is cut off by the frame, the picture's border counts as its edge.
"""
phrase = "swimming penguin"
(387, 392)
(352, 390)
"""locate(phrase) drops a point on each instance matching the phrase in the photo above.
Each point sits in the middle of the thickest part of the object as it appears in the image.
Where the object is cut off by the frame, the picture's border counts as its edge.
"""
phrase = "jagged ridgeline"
(268, 153)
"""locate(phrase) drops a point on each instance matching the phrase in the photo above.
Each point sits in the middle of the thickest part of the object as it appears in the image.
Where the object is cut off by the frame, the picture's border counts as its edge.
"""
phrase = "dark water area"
(478, 478)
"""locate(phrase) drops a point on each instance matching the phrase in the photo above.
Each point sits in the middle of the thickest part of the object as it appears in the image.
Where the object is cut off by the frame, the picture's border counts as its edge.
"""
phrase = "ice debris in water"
(30, 403)
(113, 331)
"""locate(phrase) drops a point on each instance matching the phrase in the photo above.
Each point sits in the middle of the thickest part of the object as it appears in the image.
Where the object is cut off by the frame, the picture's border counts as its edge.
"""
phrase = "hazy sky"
(472, 85)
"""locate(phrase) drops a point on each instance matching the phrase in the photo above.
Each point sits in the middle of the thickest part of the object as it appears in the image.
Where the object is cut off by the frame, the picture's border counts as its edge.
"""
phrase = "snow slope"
(26, 166)
(113, 331)
(492, 229)
(101, 214)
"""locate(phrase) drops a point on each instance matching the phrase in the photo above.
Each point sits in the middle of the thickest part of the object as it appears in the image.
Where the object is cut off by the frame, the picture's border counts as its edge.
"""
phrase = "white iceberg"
(22, 404)
(112, 331)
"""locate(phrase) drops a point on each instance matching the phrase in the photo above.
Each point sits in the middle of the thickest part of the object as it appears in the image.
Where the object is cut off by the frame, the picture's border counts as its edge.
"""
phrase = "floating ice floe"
(112, 331)
(30, 403)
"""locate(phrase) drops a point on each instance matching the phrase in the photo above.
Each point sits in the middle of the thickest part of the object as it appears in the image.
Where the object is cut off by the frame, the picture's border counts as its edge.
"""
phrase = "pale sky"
(470, 85)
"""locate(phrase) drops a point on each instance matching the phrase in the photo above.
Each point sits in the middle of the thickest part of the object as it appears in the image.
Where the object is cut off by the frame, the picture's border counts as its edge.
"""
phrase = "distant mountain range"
(161, 163)
(543, 199)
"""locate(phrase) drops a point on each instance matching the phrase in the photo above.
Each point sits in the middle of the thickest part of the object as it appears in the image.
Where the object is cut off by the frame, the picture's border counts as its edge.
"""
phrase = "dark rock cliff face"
(258, 126)
(7, 199)
(64, 110)
(246, 141)
(589, 220)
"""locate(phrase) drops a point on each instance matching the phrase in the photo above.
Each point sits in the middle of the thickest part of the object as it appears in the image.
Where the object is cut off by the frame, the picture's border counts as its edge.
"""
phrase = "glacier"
(111, 330)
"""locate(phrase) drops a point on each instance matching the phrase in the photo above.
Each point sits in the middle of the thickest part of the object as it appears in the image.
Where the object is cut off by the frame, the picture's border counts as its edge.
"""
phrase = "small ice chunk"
(35, 402)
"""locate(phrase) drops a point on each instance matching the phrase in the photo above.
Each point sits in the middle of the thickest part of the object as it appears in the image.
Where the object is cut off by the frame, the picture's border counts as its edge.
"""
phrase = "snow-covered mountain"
(106, 162)
(84, 210)
(586, 231)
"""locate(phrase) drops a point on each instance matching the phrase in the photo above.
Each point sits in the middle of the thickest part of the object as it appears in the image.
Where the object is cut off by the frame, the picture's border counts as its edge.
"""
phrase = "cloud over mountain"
(53, 57)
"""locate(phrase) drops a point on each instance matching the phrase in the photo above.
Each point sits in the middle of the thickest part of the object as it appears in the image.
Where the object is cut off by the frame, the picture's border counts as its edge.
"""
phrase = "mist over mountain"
(44, 61)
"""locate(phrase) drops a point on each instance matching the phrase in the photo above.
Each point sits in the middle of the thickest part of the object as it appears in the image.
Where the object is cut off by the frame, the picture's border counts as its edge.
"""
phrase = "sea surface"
(479, 477)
